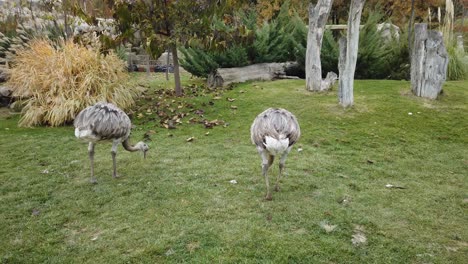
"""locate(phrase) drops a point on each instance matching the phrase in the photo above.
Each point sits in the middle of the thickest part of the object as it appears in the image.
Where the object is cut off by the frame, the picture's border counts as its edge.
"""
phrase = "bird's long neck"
(127, 146)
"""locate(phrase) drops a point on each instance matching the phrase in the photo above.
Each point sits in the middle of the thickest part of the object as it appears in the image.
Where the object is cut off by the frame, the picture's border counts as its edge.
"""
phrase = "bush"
(198, 61)
(398, 59)
(58, 82)
(377, 58)
(283, 39)
(457, 68)
(201, 62)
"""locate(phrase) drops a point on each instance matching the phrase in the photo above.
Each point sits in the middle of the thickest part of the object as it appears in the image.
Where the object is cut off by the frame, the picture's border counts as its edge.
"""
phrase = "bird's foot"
(268, 197)
(115, 176)
(277, 188)
(93, 181)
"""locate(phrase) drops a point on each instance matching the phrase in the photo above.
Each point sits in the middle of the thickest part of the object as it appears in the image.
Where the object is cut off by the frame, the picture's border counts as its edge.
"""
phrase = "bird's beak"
(144, 154)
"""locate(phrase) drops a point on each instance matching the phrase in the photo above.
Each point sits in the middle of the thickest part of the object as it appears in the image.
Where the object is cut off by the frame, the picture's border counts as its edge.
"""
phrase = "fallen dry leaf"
(190, 139)
(391, 186)
(199, 112)
(192, 246)
(359, 238)
(327, 227)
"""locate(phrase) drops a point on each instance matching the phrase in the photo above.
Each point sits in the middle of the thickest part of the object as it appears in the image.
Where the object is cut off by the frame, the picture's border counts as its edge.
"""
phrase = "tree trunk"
(33, 18)
(318, 17)
(460, 48)
(67, 29)
(463, 18)
(349, 56)
(175, 60)
(429, 61)
(341, 66)
(167, 65)
(261, 71)
(410, 26)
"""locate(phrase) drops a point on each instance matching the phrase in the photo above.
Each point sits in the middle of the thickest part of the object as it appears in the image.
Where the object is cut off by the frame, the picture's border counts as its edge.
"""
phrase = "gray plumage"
(105, 122)
(274, 132)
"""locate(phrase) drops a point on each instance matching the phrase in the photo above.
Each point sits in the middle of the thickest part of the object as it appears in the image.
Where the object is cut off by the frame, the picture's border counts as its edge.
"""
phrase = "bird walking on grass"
(274, 132)
(105, 122)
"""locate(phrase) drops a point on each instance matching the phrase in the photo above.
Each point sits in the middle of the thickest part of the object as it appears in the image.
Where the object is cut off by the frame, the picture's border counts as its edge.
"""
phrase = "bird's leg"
(114, 163)
(267, 160)
(91, 159)
(281, 168)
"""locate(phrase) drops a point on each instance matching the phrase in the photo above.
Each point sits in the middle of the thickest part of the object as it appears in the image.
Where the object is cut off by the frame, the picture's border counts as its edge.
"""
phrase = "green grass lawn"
(178, 205)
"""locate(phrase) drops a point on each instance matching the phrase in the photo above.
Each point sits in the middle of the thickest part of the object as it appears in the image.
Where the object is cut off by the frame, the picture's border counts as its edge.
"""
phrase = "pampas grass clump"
(58, 82)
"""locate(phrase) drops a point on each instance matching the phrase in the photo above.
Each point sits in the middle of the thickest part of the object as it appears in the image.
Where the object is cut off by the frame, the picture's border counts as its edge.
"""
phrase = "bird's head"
(143, 147)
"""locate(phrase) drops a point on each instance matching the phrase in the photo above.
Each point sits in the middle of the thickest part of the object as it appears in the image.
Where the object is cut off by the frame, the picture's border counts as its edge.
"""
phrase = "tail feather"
(276, 146)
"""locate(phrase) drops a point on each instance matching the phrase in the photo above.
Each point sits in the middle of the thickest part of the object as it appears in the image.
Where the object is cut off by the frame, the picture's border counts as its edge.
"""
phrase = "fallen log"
(258, 72)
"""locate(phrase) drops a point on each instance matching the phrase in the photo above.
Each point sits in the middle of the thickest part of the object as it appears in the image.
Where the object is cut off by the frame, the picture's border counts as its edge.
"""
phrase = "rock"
(16, 106)
(5, 91)
(389, 31)
(329, 81)
(5, 96)
(4, 75)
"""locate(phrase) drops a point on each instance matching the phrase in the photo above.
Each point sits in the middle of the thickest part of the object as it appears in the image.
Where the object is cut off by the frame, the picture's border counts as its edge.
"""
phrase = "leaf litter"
(164, 107)
(359, 238)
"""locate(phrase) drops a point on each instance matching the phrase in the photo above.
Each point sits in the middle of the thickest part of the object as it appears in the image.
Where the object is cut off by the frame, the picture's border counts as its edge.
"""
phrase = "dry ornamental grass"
(58, 82)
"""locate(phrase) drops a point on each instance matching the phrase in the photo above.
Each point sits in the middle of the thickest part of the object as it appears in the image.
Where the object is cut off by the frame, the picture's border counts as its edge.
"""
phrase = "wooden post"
(429, 61)
(130, 61)
(318, 17)
(348, 60)
(417, 58)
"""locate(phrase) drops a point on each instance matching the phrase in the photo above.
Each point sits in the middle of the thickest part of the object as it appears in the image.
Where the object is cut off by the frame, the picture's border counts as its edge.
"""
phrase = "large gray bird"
(105, 122)
(274, 132)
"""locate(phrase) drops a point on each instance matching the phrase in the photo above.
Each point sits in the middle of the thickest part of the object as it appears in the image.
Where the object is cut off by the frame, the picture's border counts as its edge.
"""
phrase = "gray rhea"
(105, 122)
(274, 132)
